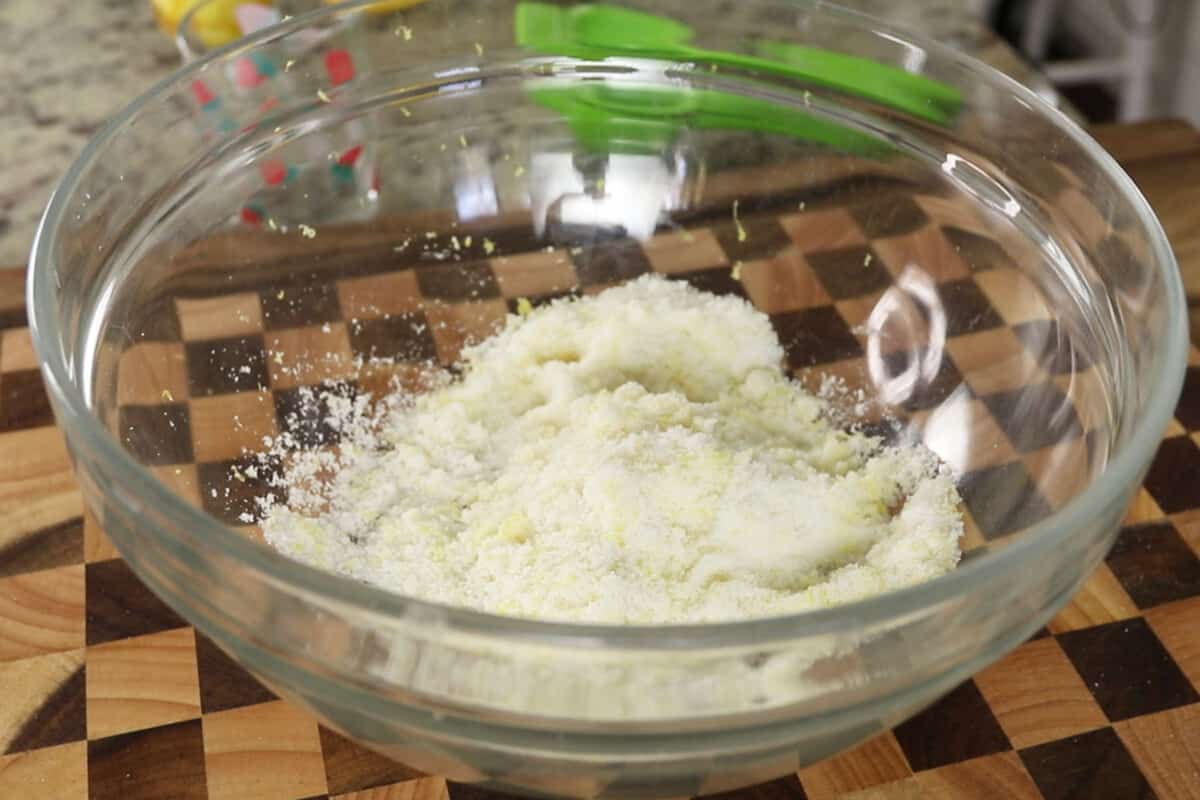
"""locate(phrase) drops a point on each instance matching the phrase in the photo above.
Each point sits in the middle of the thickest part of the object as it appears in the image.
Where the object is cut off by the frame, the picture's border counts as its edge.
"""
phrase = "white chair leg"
(1138, 85)
(1039, 25)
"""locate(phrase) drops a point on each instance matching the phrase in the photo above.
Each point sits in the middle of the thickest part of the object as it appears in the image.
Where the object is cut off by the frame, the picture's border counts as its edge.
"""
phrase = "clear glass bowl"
(987, 275)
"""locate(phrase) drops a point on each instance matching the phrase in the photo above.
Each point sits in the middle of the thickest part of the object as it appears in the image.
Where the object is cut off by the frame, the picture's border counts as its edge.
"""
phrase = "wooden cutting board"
(108, 694)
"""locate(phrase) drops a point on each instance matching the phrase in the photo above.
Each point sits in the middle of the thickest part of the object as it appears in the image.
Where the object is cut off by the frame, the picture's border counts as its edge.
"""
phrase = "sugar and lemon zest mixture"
(637, 456)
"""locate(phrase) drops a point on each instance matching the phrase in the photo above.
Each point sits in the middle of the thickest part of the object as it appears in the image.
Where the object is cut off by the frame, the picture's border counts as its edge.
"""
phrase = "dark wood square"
(1174, 477)
(472, 791)
(1155, 565)
(719, 281)
(54, 546)
(149, 764)
(404, 337)
(156, 435)
(23, 401)
(979, 253)
(223, 683)
(927, 392)
(1127, 669)
(299, 306)
(222, 366)
(610, 261)
(958, 727)
(234, 500)
(761, 236)
(153, 320)
(1035, 416)
(1051, 347)
(304, 414)
(967, 308)
(1188, 410)
(892, 214)
(62, 718)
(456, 282)
(788, 788)
(1003, 499)
(119, 605)
(350, 767)
(1091, 766)
(815, 336)
(849, 271)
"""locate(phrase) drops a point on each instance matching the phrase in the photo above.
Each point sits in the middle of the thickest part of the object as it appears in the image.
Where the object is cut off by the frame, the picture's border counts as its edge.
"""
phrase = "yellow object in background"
(383, 6)
(214, 23)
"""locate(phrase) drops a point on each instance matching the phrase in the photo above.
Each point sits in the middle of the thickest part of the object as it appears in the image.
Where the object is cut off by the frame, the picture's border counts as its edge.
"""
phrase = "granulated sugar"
(638, 456)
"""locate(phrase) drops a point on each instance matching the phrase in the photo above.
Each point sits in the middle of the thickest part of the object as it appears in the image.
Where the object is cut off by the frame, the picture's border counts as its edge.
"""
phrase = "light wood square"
(96, 544)
(37, 483)
(41, 612)
(998, 775)
(51, 773)
(925, 252)
(420, 789)
(534, 274)
(151, 374)
(16, 350)
(226, 426)
(28, 683)
(952, 213)
(308, 356)
(1166, 747)
(1037, 696)
(142, 682)
(1102, 599)
(1142, 508)
(994, 361)
(874, 762)
(381, 295)
(457, 325)
(684, 251)
(270, 751)
(965, 434)
(1060, 471)
(183, 480)
(783, 283)
(825, 229)
(1013, 295)
(1175, 624)
(219, 317)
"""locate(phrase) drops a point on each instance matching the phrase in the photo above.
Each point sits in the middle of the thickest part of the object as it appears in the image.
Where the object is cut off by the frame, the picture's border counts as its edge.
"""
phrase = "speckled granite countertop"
(69, 65)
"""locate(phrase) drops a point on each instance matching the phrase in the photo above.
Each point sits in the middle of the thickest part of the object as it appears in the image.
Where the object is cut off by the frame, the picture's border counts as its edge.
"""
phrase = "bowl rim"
(141, 486)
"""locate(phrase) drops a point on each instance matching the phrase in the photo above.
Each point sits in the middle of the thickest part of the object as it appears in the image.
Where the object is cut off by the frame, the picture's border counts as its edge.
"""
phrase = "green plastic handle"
(606, 118)
(597, 31)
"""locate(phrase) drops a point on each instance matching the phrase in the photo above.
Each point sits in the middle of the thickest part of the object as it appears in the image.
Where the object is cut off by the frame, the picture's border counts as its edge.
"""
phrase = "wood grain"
(37, 485)
(999, 775)
(874, 762)
(269, 751)
(1167, 749)
(51, 773)
(28, 684)
(1037, 696)
(16, 350)
(1102, 599)
(142, 682)
(421, 789)
(41, 612)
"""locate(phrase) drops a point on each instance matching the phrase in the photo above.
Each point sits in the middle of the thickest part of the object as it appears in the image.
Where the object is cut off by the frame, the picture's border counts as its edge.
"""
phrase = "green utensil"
(597, 31)
(606, 118)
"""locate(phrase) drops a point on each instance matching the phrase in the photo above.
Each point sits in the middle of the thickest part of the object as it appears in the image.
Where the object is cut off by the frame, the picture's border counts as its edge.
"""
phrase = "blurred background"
(69, 65)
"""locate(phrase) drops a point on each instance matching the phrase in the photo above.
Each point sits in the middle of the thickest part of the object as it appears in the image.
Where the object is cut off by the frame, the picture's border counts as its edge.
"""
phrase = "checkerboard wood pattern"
(109, 694)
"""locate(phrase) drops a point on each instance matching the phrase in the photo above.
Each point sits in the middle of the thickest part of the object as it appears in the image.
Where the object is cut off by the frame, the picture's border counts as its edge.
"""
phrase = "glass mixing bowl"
(914, 223)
